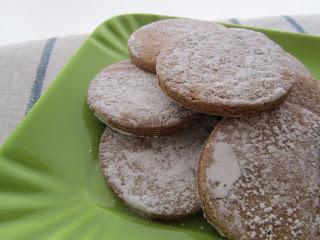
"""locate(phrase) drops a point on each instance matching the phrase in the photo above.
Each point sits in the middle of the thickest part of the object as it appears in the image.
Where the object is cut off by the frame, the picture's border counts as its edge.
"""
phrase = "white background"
(22, 20)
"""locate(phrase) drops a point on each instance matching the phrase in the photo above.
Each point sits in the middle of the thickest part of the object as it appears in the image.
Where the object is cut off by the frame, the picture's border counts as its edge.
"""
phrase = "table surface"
(22, 20)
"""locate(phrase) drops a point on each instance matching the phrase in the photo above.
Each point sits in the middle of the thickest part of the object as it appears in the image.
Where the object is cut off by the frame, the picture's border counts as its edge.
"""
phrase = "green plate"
(50, 182)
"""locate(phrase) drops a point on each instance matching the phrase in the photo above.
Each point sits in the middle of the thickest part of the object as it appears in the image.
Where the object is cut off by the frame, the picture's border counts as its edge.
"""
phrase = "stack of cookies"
(222, 119)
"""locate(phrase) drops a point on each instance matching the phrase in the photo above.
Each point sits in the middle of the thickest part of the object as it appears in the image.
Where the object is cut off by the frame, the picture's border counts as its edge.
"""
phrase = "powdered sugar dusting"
(234, 67)
(155, 176)
(148, 40)
(225, 169)
(277, 194)
(124, 94)
(305, 92)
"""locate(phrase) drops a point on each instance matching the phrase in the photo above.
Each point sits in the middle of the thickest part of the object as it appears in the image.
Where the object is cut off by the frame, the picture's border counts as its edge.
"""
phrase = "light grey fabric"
(17, 73)
(18, 70)
(26, 69)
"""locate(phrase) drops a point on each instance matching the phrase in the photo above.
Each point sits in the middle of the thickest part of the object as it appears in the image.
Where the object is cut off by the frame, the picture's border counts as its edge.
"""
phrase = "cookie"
(259, 177)
(306, 93)
(235, 72)
(129, 100)
(145, 44)
(155, 176)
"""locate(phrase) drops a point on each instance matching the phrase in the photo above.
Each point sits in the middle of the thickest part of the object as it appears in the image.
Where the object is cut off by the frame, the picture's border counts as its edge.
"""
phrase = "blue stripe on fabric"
(234, 21)
(294, 24)
(41, 73)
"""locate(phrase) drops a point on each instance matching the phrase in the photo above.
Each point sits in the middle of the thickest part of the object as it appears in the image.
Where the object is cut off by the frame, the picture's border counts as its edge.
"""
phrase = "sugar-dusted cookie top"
(129, 99)
(155, 176)
(259, 177)
(306, 93)
(235, 72)
(146, 42)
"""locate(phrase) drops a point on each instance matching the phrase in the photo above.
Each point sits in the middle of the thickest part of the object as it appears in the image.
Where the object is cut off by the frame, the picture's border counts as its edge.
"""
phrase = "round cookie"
(259, 177)
(155, 176)
(235, 72)
(145, 43)
(129, 100)
(306, 93)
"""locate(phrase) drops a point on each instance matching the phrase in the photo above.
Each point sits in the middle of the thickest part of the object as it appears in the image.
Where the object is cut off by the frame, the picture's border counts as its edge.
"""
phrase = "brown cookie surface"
(146, 43)
(235, 72)
(259, 177)
(306, 93)
(155, 176)
(129, 100)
